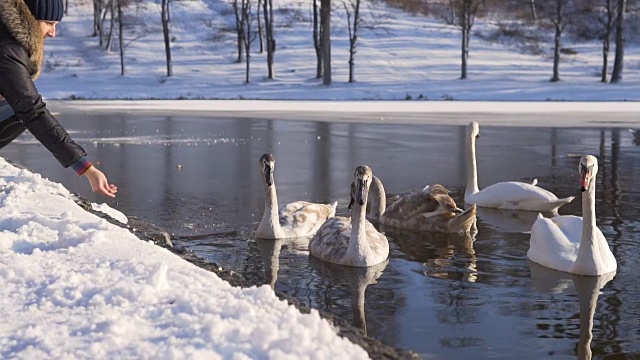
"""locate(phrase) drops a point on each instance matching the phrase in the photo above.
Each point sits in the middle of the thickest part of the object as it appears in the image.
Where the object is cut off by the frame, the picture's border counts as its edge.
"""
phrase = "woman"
(24, 24)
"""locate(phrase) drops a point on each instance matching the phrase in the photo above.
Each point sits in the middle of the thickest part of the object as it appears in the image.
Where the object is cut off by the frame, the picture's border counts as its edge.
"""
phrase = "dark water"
(445, 297)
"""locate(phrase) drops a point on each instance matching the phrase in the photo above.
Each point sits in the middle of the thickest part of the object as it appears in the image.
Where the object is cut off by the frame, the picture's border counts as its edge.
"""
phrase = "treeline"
(596, 20)
(606, 21)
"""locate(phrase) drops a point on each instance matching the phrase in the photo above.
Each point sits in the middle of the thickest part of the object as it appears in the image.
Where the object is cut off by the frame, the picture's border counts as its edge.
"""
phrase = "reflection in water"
(358, 279)
(636, 136)
(587, 288)
(509, 221)
(447, 256)
(270, 251)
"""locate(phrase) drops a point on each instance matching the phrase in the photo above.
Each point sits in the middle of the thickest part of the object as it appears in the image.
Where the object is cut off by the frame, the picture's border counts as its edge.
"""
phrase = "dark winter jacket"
(21, 57)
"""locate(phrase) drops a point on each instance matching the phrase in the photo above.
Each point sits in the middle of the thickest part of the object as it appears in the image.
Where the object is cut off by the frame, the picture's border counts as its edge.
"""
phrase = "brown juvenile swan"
(429, 209)
(352, 241)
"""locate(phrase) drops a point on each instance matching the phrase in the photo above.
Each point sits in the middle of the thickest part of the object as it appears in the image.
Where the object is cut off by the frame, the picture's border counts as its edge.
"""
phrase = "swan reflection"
(448, 256)
(509, 221)
(636, 136)
(358, 279)
(270, 251)
(587, 289)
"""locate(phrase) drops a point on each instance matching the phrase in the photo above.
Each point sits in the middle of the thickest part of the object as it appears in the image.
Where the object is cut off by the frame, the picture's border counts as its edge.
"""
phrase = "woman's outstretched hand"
(99, 183)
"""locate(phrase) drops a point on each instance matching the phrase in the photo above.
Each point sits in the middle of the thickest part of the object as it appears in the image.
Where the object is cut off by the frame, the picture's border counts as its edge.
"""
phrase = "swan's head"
(473, 130)
(267, 164)
(588, 169)
(360, 187)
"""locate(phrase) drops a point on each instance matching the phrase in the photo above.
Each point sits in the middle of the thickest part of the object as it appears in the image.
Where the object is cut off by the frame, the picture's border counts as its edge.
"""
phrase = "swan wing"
(554, 242)
(607, 258)
(331, 241)
(303, 218)
(412, 204)
(378, 244)
(430, 209)
(515, 195)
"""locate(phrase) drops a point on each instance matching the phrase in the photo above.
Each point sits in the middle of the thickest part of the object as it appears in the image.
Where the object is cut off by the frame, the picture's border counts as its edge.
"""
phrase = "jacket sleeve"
(20, 91)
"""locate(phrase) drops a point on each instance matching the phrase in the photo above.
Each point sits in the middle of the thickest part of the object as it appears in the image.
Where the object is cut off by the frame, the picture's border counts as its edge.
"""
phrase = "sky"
(74, 286)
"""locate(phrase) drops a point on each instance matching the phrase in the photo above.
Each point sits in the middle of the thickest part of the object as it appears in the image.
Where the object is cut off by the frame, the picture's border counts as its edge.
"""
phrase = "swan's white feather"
(303, 218)
(570, 243)
(514, 195)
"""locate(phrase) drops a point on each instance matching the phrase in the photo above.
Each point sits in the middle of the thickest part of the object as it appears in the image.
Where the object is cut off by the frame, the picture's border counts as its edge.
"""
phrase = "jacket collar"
(21, 24)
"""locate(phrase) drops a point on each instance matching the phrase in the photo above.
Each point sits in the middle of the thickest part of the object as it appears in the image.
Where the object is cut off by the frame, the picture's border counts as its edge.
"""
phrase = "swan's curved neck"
(588, 245)
(358, 245)
(377, 199)
(472, 170)
(270, 225)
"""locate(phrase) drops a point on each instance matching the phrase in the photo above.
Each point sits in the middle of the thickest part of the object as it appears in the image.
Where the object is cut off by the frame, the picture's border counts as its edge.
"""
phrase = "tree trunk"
(325, 23)
(317, 39)
(112, 26)
(618, 62)
(167, 35)
(606, 40)
(239, 31)
(260, 30)
(557, 42)
(246, 37)
(121, 38)
(532, 7)
(270, 40)
(97, 12)
(353, 39)
(465, 22)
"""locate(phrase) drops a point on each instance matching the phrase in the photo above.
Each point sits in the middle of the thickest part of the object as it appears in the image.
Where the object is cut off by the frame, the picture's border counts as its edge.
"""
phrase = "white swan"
(570, 243)
(428, 209)
(352, 241)
(296, 219)
(505, 195)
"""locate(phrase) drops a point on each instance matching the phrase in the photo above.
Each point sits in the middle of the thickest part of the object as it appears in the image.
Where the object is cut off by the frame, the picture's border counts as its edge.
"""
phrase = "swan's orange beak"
(584, 179)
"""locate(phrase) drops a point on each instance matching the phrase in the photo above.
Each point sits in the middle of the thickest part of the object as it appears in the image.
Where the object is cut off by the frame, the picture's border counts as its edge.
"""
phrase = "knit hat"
(48, 10)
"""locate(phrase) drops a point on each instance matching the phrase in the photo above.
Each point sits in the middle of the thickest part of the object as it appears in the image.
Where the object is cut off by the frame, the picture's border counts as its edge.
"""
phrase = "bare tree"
(532, 7)
(260, 29)
(603, 14)
(112, 7)
(97, 20)
(317, 39)
(165, 15)
(248, 36)
(352, 25)
(325, 25)
(121, 36)
(239, 28)
(558, 22)
(462, 15)
(554, 13)
(269, 37)
(618, 63)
